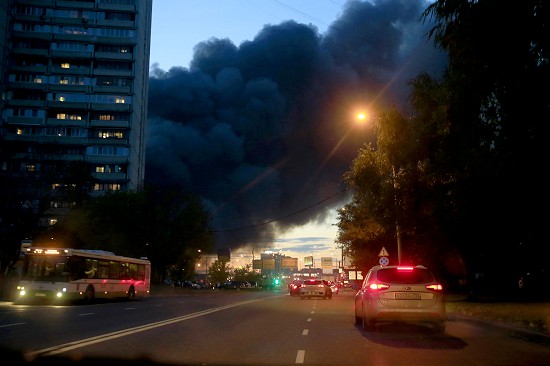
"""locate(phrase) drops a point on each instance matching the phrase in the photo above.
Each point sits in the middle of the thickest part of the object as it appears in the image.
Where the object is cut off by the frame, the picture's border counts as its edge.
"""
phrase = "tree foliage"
(461, 174)
(219, 272)
(168, 227)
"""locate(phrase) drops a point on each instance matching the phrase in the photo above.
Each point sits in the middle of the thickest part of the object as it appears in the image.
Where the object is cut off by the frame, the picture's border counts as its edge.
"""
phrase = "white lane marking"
(300, 356)
(86, 314)
(313, 312)
(122, 333)
(305, 332)
(309, 319)
(11, 325)
(130, 309)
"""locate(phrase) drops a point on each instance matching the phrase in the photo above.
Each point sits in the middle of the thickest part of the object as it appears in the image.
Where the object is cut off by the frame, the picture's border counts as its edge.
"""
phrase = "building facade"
(73, 105)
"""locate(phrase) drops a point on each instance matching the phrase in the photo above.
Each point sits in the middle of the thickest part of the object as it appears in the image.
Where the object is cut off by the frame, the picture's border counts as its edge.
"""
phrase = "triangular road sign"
(383, 252)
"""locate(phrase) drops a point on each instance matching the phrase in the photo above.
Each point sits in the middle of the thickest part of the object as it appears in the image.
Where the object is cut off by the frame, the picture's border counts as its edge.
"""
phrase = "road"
(249, 328)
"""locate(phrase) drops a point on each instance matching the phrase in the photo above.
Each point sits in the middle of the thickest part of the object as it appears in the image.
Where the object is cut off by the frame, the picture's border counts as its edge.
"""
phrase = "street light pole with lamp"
(363, 117)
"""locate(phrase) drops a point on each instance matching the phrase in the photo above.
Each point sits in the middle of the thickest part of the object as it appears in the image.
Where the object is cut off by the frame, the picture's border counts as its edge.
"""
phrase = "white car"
(400, 294)
(315, 288)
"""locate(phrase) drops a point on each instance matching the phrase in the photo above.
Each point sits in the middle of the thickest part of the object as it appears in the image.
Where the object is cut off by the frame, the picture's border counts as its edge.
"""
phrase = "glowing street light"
(362, 117)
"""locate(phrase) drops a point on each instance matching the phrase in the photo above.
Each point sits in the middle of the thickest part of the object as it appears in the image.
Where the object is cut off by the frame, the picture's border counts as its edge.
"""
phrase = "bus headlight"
(21, 290)
(59, 294)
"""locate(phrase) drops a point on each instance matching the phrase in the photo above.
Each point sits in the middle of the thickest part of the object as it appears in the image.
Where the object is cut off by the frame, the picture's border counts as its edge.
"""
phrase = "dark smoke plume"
(263, 131)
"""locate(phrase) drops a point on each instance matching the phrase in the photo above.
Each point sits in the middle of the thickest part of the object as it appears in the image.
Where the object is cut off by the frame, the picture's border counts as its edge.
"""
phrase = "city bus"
(58, 274)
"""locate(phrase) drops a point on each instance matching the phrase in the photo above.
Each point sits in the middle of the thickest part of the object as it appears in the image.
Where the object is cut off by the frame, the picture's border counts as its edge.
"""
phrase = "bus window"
(132, 271)
(91, 268)
(124, 271)
(103, 269)
(141, 272)
(114, 269)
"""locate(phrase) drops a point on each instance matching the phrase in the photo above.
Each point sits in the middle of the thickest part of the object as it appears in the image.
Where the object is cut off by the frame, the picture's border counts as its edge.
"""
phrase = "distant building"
(73, 104)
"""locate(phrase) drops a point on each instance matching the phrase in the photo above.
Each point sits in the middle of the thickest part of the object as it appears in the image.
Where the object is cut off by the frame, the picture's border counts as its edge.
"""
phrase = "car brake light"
(436, 287)
(406, 268)
(374, 287)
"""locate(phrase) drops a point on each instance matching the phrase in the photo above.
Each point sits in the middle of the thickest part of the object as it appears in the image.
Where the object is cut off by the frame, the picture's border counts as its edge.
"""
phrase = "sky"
(178, 25)
(252, 105)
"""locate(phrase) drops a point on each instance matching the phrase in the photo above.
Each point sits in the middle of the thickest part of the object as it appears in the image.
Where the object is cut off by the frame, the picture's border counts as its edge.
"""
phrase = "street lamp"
(363, 117)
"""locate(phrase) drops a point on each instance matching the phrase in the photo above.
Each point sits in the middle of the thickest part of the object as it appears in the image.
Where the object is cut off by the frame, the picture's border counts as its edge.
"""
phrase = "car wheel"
(439, 327)
(131, 293)
(89, 294)
(368, 324)
(358, 319)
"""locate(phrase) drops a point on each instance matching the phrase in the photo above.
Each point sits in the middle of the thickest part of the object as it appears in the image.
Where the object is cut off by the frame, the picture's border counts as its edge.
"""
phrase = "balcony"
(100, 141)
(100, 123)
(110, 176)
(25, 120)
(106, 159)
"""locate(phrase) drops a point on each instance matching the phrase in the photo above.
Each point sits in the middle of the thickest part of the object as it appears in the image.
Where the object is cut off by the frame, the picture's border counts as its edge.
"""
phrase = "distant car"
(294, 287)
(315, 288)
(400, 294)
(334, 288)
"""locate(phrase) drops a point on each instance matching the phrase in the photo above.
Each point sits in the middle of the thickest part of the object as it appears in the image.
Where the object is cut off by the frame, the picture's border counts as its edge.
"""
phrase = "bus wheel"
(131, 293)
(89, 295)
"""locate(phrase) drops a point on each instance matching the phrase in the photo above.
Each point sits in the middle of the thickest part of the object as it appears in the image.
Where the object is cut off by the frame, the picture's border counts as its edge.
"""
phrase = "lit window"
(106, 117)
(53, 222)
(65, 65)
(119, 100)
(61, 99)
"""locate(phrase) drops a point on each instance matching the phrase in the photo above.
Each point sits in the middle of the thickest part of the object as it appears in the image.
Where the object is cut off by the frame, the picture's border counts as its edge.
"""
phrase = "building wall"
(75, 93)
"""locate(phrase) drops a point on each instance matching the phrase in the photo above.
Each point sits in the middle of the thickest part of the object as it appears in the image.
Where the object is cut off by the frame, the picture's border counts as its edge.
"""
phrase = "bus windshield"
(45, 267)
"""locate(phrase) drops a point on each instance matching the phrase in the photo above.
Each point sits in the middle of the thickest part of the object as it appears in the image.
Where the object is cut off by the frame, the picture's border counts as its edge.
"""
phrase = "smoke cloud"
(264, 130)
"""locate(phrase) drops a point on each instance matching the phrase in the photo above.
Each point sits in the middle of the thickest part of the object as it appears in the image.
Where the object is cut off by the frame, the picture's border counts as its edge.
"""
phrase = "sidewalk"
(524, 319)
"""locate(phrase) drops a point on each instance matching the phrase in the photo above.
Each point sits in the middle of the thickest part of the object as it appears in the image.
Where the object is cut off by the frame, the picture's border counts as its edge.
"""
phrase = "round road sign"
(384, 261)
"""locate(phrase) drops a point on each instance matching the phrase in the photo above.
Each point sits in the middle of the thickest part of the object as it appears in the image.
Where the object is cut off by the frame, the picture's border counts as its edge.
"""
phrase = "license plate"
(40, 294)
(407, 296)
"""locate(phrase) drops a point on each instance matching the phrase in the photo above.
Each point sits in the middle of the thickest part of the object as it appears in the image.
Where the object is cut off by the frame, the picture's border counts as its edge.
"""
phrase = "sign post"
(383, 259)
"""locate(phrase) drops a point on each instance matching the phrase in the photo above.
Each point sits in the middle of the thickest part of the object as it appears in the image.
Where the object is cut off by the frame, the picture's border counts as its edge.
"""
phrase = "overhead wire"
(278, 218)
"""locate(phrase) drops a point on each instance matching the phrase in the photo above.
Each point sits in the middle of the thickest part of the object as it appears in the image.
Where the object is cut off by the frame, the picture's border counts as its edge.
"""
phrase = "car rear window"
(395, 275)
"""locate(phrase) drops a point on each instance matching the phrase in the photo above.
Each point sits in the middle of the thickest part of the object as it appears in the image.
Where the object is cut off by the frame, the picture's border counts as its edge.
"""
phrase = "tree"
(393, 195)
(246, 273)
(219, 272)
(497, 107)
(167, 226)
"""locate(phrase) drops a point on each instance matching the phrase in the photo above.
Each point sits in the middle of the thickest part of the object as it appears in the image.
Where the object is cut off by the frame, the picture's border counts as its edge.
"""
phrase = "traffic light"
(276, 281)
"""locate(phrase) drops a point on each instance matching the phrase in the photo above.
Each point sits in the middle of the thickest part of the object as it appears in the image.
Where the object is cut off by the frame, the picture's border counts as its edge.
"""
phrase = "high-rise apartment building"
(73, 105)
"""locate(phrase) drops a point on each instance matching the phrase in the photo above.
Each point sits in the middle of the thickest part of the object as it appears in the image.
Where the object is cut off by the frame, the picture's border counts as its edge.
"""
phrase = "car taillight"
(405, 268)
(374, 287)
(435, 287)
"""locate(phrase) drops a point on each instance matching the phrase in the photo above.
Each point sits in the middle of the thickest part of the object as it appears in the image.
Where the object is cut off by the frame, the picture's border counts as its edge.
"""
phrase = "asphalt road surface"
(246, 328)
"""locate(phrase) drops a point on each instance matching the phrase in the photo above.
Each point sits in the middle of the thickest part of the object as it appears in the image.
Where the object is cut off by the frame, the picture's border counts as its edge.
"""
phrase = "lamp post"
(362, 117)
(396, 205)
